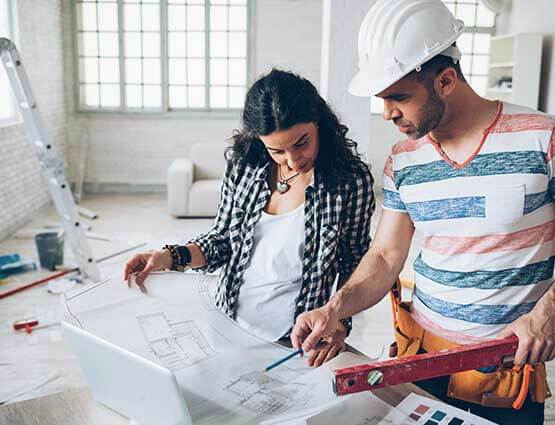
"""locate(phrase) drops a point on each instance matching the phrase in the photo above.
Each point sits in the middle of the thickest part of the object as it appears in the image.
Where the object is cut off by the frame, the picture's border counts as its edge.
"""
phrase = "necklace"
(282, 184)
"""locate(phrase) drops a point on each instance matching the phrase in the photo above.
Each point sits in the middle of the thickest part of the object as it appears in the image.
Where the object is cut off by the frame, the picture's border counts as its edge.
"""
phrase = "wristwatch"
(348, 323)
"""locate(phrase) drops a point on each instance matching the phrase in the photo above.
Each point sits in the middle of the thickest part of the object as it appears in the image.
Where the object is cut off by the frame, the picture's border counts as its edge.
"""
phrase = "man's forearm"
(546, 304)
(369, 283)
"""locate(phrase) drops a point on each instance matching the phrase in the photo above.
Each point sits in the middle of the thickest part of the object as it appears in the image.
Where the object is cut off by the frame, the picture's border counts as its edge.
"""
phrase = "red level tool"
(424, 366)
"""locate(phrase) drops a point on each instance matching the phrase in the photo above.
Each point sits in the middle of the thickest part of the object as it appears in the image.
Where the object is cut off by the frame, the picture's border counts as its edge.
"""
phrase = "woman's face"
(295, 148)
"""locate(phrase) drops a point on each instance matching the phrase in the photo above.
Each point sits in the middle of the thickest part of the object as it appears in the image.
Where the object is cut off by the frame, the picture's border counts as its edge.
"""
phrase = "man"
(475, 177)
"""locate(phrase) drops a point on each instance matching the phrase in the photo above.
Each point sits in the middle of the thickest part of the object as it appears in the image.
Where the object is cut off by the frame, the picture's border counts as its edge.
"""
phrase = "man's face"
(413, 106)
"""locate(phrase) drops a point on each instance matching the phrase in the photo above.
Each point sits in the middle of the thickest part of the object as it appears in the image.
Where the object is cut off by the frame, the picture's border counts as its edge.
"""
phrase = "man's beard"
(431, 114)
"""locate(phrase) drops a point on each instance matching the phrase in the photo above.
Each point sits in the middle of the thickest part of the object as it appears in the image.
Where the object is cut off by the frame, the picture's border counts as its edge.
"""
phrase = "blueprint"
(261, 393)
(176, 345)
(360, 409)
(178, 308)
(218, 365)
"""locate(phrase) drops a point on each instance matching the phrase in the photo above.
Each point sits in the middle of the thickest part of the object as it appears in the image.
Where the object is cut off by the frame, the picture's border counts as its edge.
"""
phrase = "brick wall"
(22, 190)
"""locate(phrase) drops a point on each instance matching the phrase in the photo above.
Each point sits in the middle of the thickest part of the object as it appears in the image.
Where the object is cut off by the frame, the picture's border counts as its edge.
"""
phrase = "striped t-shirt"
(488, 225)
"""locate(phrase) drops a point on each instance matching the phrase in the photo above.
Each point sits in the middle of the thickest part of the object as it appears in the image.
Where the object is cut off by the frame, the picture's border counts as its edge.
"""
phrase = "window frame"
(164, 111)
(13, 29)
(492, 31)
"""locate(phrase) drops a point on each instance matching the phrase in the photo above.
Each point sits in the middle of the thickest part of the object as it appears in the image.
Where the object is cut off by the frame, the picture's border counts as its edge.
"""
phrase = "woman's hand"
(146, 262)
(328, 347)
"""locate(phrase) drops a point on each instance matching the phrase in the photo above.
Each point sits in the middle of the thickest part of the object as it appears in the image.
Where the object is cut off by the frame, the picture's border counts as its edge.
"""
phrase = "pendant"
(282, 186)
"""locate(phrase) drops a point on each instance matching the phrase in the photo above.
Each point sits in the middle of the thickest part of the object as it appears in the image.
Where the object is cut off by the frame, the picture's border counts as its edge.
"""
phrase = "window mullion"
(98, 56)
(207, 52)
(480, 30)
(228, 61)
(187, 58)
(78, 98)
(122, 82)
(141, 36)
(164, 55)
(10, 10)
(250, 42)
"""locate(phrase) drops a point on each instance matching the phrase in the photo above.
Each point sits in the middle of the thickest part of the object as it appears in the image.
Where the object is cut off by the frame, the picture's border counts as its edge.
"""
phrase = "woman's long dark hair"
(279, 100)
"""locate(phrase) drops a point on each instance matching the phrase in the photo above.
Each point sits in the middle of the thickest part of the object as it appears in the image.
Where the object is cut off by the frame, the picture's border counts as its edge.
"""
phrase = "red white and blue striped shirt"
(488, 224)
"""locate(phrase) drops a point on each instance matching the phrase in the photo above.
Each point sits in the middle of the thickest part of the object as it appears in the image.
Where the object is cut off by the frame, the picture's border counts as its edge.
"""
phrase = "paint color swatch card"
(418, 410)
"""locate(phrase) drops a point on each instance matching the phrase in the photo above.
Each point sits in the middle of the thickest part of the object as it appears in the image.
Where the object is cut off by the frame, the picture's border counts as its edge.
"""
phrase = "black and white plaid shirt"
(337, 233)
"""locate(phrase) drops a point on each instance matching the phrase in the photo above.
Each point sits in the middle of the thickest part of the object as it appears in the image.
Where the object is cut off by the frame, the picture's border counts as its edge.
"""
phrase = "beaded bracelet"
(181, 257)
(175, 256)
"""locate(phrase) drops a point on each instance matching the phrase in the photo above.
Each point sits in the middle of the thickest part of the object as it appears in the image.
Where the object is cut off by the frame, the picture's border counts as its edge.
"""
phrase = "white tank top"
(271, 283)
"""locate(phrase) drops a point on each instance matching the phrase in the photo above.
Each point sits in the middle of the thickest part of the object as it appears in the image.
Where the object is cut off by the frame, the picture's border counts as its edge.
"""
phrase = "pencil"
(283, 360)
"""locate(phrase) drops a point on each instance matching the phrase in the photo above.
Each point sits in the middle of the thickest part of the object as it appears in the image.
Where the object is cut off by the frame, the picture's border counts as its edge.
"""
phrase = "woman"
(294, 214)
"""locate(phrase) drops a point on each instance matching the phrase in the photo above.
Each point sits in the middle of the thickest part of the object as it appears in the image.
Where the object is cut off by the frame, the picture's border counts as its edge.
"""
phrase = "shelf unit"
(517, 57)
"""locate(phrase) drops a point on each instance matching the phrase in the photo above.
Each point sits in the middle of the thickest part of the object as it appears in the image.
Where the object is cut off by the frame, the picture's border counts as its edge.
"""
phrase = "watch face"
(186, 256)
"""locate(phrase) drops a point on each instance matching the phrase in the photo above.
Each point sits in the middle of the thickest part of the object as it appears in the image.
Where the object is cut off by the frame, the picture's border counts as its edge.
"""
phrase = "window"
(162, 55)
(474, 44)
(8, 109)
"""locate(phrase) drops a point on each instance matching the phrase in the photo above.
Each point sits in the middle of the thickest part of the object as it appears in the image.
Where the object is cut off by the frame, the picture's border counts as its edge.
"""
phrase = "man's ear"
(446, 81)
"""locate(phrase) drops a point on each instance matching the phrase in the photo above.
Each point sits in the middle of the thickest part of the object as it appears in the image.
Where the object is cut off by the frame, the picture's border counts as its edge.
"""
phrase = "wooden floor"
(27, 360)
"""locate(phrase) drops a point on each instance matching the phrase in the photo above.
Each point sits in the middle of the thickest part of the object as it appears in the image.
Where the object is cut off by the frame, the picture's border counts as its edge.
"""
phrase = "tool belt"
(505, 387)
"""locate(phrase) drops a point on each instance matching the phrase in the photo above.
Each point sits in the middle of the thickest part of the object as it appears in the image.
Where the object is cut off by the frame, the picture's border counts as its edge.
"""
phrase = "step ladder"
(52, 167)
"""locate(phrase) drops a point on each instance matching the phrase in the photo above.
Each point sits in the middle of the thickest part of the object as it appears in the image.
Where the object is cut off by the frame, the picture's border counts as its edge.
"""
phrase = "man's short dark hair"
(434, 67)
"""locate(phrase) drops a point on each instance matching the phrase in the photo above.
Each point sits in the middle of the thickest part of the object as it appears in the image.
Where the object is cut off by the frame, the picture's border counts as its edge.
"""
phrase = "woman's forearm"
(198, 259)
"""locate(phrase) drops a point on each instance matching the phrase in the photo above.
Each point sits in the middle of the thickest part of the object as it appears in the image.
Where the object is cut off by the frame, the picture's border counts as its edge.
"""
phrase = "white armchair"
(194, 183)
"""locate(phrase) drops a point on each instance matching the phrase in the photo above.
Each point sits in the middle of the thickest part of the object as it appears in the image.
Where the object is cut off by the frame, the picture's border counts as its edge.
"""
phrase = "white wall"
(22, 191)
(134, 153)
(341, 20)
(383, 135)
(288, 35)
(520, 16)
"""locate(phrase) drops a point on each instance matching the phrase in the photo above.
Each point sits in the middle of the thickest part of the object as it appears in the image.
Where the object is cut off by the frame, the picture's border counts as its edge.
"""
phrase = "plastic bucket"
(50, 247)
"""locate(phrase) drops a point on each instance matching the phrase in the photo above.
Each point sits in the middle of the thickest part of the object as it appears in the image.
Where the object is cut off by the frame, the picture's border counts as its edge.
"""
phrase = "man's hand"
(536, 336)
(329, 347)
(312, 326)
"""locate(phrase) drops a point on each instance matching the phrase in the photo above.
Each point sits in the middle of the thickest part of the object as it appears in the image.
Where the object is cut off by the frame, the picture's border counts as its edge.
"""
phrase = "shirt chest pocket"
(329, 240)
(505, 204)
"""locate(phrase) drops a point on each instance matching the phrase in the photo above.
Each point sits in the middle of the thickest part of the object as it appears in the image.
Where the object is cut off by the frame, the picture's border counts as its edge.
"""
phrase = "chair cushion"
(209, 160)
(179, 181)
(204, 197)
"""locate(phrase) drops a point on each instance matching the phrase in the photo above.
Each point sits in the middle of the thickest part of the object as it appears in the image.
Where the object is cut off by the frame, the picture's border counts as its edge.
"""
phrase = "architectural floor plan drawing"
(217, 364)
(177, 345)
(265, 394)
(205, 289)
(358, 409)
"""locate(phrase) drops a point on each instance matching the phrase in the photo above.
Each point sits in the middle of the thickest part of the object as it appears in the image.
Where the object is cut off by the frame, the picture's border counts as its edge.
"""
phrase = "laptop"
(127, 383)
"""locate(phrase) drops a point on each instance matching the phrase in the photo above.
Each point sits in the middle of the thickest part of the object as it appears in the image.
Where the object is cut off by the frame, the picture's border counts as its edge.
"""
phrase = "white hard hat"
(397, 36)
